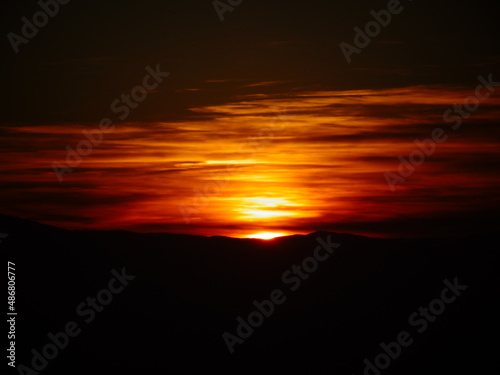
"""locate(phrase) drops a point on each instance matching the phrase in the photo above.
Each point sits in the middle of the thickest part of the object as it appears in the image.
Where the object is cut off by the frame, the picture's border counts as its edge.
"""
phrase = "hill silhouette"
(189, 290)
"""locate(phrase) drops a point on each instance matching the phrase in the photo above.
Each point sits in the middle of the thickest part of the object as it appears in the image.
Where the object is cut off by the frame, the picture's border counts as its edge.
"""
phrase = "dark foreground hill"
(187, 291)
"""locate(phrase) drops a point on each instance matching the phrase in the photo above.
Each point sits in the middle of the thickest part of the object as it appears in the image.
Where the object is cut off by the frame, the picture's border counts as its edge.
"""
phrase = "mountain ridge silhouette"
(189, 290)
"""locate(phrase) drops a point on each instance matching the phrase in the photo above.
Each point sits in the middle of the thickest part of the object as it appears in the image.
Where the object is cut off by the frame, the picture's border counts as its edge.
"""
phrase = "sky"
(255, 124)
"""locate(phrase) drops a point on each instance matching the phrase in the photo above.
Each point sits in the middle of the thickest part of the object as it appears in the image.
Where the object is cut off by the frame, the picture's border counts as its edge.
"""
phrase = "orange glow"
(320, 168)
(265, 235)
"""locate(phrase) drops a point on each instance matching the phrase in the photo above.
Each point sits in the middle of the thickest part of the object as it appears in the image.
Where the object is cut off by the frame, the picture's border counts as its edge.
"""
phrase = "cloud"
(324, 167)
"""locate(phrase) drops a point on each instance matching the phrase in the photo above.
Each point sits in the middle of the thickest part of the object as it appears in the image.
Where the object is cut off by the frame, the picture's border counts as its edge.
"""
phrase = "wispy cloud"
(322, 172)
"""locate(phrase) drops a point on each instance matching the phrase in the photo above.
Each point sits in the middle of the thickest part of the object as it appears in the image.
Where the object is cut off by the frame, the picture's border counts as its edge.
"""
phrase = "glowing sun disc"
(265, 235)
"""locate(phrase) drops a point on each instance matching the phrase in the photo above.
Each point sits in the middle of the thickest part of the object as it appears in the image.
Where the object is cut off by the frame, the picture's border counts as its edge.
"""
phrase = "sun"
(266, 235)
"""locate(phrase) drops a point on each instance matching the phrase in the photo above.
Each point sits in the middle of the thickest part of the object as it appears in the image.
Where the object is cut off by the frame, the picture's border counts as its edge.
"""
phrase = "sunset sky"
(328, 130)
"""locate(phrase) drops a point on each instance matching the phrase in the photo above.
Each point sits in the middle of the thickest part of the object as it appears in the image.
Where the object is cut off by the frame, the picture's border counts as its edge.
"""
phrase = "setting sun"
(265, 235)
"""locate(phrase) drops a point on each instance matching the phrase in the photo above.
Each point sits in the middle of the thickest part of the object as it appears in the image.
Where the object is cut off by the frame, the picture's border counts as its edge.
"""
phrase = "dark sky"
(90, 48)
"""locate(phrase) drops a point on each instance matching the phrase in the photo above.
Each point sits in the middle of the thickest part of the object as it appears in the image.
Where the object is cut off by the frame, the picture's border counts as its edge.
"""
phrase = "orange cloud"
(323, 170)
